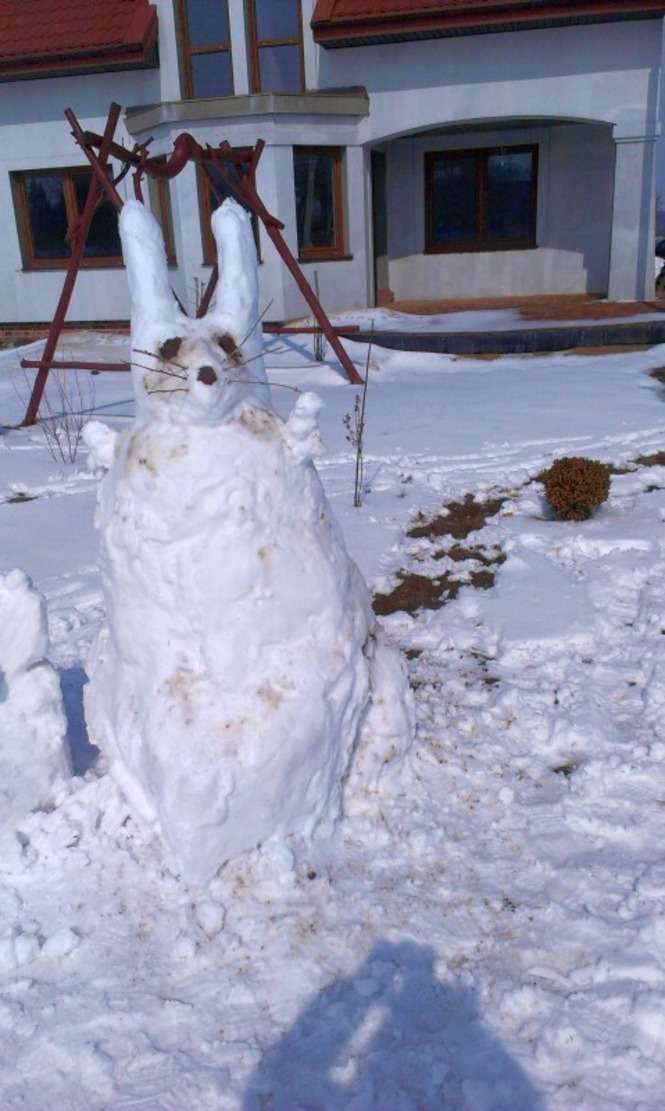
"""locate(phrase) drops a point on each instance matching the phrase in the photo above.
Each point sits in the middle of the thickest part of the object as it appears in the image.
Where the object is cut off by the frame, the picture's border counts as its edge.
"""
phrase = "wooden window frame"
(205, 215)
(254, 44)
(30, 261)
(337, 250)
(159, 190)
(186, 50)
(481, 242)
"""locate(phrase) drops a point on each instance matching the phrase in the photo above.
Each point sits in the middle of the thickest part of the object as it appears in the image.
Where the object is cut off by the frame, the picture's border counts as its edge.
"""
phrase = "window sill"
(480, 248)
(332, 257)
(62, 266)
(209, 265)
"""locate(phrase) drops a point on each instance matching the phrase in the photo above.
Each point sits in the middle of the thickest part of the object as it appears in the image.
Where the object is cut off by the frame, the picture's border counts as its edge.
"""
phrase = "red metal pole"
(300, 330)
(246, 187)
(72, 272)
(185, 149)
(209, 290)
(74, 364)
(98, 161)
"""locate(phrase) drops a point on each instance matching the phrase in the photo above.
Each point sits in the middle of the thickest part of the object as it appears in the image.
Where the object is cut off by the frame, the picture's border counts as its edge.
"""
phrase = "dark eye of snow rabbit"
(230, 348)
(170, 348)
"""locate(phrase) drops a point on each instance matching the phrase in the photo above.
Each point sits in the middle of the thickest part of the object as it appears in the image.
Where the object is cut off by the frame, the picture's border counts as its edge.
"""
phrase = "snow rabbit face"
(189, 371)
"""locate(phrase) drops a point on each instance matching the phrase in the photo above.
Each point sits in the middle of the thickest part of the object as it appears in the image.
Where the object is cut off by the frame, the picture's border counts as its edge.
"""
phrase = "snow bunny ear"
(147, 272)
(235, 309)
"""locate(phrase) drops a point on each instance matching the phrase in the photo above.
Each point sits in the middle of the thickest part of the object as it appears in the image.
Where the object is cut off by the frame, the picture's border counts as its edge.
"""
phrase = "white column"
(631, 275)
(274, 181)
(310, 49)
(169, 62)
(238, 30)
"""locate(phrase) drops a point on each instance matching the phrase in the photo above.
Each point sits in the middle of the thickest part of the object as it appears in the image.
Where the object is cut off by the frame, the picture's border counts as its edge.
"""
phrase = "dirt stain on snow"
(258, 422)
(270, 695)
(180, 686)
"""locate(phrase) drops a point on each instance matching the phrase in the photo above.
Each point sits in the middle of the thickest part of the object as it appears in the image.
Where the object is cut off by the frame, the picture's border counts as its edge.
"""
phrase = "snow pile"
(33, 754)
(492, 936)
(386, 733)
(231, 681)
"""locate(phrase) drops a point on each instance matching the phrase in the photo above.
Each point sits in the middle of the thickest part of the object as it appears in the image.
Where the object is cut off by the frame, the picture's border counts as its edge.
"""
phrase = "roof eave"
(69, 69)
(478, 19)
(138, 51)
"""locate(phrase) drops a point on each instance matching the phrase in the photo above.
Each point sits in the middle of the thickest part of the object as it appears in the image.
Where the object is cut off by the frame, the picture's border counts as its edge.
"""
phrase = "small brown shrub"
(575, 487)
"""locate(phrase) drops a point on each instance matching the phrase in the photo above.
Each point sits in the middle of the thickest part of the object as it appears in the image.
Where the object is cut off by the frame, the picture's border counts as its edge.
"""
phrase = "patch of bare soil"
(7, 342)
(655, 459)
(658, 373)
(460, 518)
(608, 349)
(458, 553)
(481, 356)
(482, 580)
(613, 468)
(414, 592)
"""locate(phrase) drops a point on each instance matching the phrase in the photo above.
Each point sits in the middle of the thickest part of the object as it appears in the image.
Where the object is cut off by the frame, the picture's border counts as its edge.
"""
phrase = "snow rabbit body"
(229, 684)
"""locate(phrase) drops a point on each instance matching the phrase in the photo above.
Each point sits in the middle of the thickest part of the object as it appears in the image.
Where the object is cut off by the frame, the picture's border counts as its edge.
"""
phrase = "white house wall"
(607, 71)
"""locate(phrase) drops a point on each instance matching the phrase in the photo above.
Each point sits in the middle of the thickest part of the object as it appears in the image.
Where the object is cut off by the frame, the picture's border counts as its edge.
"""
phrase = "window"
(319, 201)
(160, 206)
(209, 201)
(48, 203)
(481, 200)
(274, 31)
(205, 47)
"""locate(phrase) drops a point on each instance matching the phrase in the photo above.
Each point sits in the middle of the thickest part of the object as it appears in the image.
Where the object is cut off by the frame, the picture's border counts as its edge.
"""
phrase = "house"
(414, 148)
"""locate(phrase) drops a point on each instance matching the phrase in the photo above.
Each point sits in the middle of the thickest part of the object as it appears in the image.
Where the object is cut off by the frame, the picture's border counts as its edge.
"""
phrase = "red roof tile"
(363, 22)
(44, 37)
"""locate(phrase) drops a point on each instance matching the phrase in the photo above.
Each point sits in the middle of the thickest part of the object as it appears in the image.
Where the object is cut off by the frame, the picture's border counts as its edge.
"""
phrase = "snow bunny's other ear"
(235, 309)
(147, 272)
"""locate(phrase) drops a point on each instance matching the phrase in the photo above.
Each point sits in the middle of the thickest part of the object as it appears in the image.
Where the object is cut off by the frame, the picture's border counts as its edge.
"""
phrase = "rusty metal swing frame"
(242, 184)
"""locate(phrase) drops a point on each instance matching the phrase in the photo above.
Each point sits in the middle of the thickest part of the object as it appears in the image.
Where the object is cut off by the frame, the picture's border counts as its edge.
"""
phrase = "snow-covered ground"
(487, 934)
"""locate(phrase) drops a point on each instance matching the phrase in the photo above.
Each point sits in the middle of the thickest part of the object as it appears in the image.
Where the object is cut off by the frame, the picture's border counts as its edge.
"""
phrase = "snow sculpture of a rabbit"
(231, 680)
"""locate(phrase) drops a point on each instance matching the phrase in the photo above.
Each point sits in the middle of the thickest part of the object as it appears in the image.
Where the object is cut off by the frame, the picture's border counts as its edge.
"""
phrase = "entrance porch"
(513, 208)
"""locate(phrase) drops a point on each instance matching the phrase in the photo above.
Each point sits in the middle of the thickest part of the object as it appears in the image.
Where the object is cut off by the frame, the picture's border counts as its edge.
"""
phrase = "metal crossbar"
(244, 160)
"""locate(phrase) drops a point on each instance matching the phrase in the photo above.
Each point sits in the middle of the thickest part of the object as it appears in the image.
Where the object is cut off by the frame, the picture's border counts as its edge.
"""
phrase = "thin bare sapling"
(354, 424)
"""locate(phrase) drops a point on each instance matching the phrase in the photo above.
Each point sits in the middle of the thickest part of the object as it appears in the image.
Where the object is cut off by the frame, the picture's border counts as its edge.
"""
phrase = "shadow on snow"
(390, 1036)
(83, 754)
